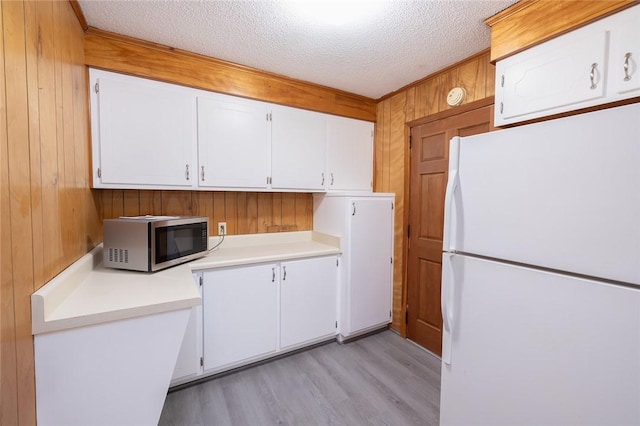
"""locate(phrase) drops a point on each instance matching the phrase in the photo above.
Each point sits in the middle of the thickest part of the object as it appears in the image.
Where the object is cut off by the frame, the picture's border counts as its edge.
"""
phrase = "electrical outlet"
(222, 228)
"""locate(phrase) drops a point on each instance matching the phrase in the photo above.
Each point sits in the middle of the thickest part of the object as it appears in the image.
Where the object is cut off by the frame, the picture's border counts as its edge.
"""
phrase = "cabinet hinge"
(200, 281)
(502, 80)
(201, 361)
(99, 172)
(336, 324)
(392, 206)
(96, 87)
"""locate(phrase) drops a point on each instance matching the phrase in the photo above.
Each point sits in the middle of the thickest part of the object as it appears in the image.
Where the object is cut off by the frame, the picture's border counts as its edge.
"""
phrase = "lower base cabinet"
(240, 314)
(308, 300)
(250, 313)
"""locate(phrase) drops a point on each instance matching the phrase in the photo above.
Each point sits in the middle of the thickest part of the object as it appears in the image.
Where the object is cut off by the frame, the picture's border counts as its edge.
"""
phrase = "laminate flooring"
(381, 379)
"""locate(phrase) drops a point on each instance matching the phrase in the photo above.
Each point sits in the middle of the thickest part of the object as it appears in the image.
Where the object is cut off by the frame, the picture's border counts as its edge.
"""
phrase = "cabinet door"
(239, 314)
(371, 252)
(298, 142)
(233, 143)
(560, 75)
(625, 53)
(308, 291)
(143, 133)
(349, 154)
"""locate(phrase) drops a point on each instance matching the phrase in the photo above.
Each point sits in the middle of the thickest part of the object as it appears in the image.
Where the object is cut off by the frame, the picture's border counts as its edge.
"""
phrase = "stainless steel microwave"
(151, 243)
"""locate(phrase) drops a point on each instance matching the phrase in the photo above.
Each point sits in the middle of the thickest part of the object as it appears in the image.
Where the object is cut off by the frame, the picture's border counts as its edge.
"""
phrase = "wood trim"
(508, 12)
(78, 11)
(128, 55)
(431, 76)
(532, 22)
(450, 112)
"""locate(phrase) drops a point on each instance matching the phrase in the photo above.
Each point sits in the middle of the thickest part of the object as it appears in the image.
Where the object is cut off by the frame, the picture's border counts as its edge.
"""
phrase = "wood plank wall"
(49, 216)
(423, 98)
(244, 212)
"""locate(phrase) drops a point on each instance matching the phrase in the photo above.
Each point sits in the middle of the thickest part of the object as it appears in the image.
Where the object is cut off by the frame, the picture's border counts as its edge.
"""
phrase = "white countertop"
(86, 293)
(260, 248)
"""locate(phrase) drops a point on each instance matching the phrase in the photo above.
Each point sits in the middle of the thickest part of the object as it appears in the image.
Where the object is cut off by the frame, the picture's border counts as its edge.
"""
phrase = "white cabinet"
(234, 143)
(349, 154)
(298, 144)
(308, 290)
(583, 68)
(143, 133)
(152, 135)
(625, 54)
(365, 224)
(254, 312)
(240, 314)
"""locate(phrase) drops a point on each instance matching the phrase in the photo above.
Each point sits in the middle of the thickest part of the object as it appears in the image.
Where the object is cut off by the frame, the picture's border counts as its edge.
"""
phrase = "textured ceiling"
(392, 44)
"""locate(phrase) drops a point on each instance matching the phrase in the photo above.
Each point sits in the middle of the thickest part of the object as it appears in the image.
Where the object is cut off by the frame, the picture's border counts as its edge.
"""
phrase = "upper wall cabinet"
(233, 143)
(152, 135)
(625, 54)
(349, 154)
(593, 65)
(143, 133)
(298, 143)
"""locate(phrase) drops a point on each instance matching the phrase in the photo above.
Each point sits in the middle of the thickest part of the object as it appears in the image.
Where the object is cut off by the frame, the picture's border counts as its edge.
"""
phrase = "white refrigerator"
(541, 274)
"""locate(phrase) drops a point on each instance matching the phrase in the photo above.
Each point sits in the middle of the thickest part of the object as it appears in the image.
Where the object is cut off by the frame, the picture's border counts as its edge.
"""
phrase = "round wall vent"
(456, 96)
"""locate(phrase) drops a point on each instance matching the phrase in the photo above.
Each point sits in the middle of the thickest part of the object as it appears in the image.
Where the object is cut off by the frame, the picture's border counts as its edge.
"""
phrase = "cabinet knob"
(627, 59)
(202, 173)
(331, 179)
(284, 273)
(186, 171)
(273, 274)
(322, 183)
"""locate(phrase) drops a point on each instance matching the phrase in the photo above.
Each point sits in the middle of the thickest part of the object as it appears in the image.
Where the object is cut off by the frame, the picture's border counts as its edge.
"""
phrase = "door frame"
(407, 187)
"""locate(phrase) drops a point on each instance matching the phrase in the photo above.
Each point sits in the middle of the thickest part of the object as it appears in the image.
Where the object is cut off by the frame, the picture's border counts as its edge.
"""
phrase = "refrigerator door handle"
(449, 199)
(446, 304)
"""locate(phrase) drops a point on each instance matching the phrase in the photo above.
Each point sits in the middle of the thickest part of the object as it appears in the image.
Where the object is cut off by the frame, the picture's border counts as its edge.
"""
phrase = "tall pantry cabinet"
(364, 222)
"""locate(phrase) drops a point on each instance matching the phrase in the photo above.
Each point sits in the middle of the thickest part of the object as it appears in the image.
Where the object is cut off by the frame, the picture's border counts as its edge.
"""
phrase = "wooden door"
(429, 165)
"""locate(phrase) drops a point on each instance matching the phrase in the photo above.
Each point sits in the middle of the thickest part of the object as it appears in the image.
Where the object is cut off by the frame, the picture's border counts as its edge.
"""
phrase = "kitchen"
(71, 213)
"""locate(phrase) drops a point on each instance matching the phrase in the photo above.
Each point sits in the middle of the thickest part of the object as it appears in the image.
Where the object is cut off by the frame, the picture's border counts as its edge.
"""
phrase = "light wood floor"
(381, 379)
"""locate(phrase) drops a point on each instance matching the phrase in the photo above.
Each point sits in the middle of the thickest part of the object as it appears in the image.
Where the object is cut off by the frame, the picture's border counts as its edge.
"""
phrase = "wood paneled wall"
(244, 212)
(425, 97)
(49, 216)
